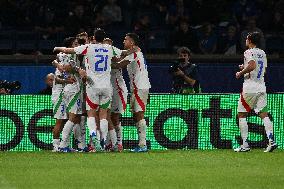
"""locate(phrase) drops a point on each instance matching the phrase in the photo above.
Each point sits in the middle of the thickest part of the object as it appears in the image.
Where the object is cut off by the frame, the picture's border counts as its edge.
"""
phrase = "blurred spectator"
(277, 23)
(77, 20)
(177, 11)
(184, 36)
(112, 12)
(243, 10)
(251, 27)
(229, 43)
(207, 41)
(49, 83)
(142, 27)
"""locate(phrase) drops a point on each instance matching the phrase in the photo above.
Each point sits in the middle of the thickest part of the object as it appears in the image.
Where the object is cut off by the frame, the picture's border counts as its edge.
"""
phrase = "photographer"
(185, 74)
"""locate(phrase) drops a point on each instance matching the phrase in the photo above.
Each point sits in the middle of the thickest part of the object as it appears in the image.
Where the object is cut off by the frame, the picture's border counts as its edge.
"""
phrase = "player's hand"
(238, 75)
(70, 80)
(67, 68)
(60, 68)
(82, 73)
(241, 67)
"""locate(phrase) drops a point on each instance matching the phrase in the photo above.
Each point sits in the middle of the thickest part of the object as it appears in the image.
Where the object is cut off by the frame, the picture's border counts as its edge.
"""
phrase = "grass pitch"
(155, 169)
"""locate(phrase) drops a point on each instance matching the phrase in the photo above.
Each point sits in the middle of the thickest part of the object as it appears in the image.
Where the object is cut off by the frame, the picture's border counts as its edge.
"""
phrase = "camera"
(10, 86)
(174, 66)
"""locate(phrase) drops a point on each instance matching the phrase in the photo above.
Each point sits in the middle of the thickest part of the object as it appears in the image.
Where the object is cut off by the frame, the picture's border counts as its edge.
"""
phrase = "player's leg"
(60, 115)
(59, 124)
(111, 138)
(115, 117)
(74, 109)
(105, 102)
(92, 105)
(262, 108)
(139, 102)
(243, 109)
(118, 106)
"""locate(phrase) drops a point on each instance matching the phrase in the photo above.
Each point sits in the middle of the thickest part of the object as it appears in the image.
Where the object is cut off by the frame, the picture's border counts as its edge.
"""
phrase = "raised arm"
(64, 50)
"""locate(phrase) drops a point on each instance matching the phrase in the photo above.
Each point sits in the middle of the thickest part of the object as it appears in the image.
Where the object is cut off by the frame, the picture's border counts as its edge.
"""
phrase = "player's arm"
(125, 53)
(251, 66)
(64, 50)
(121, 64)
(69, 80)
(56, 64)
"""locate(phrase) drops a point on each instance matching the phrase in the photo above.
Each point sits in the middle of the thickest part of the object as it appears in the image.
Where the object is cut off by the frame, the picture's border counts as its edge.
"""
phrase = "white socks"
(244, 130)
(104, 129)
(141, 128)
(268, 128)
(112, 136)
(119, 133)
(56, 143)
(66, 134)
(91, 122)
(78, 136)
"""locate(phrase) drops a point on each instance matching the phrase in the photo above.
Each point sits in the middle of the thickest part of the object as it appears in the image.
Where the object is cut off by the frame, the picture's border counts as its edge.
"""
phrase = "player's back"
(98, 64)
(137, 71)
(254, 81)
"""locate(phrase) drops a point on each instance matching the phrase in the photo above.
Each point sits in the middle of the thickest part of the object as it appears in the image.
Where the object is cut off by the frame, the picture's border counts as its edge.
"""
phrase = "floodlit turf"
(156, 169)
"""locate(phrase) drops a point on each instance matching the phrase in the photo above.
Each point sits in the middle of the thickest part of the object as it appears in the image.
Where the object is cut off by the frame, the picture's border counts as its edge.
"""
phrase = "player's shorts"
(73, 102)
(59, 107)
(138, 100)
(98, 97)
(119, 101)
(253, 101)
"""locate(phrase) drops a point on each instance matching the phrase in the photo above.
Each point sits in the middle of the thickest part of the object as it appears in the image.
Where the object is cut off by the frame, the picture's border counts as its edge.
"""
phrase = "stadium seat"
(46, 46)
(6, 46)
(25, 46)
(274, 44)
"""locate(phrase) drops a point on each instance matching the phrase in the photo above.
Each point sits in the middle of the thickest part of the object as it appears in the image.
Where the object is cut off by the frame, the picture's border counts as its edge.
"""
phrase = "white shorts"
(253, 101)
(59, 107)
(98, 97)
(138, 100)
(73, 102)
(119, 100)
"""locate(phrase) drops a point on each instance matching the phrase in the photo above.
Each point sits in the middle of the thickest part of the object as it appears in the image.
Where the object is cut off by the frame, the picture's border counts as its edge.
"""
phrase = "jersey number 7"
(260, 69)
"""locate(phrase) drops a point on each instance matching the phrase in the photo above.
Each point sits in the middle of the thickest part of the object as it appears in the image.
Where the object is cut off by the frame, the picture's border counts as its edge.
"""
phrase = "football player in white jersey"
(72, 97)
(119, 101)
(139, 87)
(99, 91)
(98, 59)
(59, 110)
(253, 96)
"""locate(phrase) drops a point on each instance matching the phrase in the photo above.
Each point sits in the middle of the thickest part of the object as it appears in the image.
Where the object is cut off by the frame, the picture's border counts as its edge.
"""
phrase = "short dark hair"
(99, 34)
(254, 38)
(67, 42)
(184, 50)
(134, 37)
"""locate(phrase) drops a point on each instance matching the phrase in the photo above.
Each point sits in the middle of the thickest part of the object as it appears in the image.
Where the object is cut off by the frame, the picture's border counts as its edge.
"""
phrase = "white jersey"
(116, 74)
(98, 63)
(71, 60)
(137, 71)
(254, 81)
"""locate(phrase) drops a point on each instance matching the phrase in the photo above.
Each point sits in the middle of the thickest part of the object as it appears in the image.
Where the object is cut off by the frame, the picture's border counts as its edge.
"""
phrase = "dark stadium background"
(30, 29)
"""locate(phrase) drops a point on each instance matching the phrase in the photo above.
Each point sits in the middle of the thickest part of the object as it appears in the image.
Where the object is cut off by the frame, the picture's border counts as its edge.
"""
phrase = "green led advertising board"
(205, 121)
